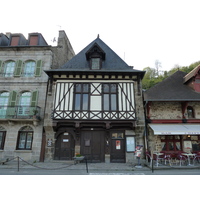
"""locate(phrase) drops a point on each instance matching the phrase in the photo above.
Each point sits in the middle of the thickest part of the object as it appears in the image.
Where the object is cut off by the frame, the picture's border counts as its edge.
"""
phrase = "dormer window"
(95, 56)
(15, 41)
(95, 63)
(33, 40)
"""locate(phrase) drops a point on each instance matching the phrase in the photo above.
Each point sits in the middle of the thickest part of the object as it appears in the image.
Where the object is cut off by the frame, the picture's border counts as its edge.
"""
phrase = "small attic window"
(95, 63)
(95, 56)
(15, 41)
(33, 40)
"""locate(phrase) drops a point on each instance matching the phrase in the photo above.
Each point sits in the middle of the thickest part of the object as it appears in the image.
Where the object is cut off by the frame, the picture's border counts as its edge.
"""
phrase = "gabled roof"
(111, 63)
(172, 89)
(112, 60)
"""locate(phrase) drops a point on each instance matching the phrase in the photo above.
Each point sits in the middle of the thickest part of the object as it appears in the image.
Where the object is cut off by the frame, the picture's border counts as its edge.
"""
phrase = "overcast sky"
(139, 31)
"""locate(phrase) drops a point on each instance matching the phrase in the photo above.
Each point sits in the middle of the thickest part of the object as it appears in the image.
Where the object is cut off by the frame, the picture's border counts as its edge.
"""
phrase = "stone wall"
(63, 52)
(171, 110)
(21, 84)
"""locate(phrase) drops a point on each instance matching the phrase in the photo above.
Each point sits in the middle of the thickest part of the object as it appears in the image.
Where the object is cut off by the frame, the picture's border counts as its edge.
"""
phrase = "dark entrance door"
(93, 145)
(117, 151)
(64, 147)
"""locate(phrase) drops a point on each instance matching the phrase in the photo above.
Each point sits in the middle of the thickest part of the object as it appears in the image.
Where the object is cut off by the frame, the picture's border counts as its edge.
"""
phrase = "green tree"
(151, 78)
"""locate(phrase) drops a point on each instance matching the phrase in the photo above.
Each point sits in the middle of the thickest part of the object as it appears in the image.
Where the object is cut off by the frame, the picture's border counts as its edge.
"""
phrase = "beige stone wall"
(11, 141)
(165, 110)
(171, 110)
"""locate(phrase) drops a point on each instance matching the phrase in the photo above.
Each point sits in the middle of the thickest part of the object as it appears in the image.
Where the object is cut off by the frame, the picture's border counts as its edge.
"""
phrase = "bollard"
(86, 165)
(152, 166)
(18, 163)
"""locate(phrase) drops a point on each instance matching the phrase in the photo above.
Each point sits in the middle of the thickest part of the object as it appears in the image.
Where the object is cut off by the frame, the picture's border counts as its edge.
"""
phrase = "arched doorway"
(64, 146)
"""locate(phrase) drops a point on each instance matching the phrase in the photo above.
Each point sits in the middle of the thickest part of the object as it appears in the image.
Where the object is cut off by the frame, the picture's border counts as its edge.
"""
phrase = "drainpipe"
(42, 151)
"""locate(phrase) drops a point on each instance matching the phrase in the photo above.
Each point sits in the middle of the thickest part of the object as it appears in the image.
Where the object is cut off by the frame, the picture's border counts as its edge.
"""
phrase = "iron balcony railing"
(20, 112)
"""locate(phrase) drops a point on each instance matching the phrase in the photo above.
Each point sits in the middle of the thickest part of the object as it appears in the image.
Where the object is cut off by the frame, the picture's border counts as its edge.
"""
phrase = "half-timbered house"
(97, 107)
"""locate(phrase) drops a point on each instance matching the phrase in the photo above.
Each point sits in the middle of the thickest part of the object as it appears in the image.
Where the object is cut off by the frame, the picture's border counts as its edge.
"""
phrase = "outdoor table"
(188, 156)
(157, 157)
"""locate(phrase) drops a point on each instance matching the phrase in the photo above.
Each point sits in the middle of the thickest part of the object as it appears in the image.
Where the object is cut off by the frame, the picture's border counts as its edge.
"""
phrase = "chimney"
(8, 34)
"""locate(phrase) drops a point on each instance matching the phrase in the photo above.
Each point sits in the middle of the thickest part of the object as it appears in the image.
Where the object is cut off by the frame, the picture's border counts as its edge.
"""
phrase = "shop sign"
(192, 133)
(187, 144)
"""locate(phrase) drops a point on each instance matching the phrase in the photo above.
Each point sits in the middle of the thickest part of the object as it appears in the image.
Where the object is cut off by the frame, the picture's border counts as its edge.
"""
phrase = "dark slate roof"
(172, 89)
(112, 61)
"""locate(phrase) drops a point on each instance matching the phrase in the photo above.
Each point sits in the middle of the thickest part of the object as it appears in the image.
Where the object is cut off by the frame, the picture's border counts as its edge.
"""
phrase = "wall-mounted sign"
(66, 133)
(65, 140)
(118, 144)
(130, 144)
(87, 143)
(49, 143)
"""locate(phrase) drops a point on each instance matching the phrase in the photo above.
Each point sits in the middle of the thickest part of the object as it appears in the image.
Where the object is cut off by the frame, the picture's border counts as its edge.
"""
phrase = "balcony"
(20, 113)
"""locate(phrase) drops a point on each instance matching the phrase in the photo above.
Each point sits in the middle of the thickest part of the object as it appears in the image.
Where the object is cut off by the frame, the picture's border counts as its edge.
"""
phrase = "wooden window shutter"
(18, 68)
(38, 68)
(34, 98)
(12, 98)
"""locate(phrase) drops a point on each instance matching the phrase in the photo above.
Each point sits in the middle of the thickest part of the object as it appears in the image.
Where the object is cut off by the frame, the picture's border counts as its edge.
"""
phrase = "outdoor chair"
(167, 158)
(196, 158)
(182, 159)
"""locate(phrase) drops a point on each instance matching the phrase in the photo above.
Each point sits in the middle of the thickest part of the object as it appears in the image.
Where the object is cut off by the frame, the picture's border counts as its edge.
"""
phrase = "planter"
(78, 159)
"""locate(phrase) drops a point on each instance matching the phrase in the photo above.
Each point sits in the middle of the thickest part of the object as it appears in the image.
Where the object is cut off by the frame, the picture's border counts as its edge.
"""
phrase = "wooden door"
(93, 145)
(64, 147)
(117, 148)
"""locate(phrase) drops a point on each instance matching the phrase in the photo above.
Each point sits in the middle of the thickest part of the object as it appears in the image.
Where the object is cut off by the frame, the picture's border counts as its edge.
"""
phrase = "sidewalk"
(111, 168)
(69, 165)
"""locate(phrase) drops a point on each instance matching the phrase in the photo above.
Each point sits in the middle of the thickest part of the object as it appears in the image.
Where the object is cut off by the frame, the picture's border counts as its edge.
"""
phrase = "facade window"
(9, 68)
(171, 143)
(109, 97)
(117, 135)
(95, 63)
(29, 69)
(190, 112)
(2, 137)
(195, 141)
(25, 138)
(81, 100)
(24, 104)
(4, 99)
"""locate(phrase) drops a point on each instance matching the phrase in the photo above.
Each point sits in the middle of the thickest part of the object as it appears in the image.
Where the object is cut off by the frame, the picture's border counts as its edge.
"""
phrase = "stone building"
(94, 107)
(173, 113)
(23, 90)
